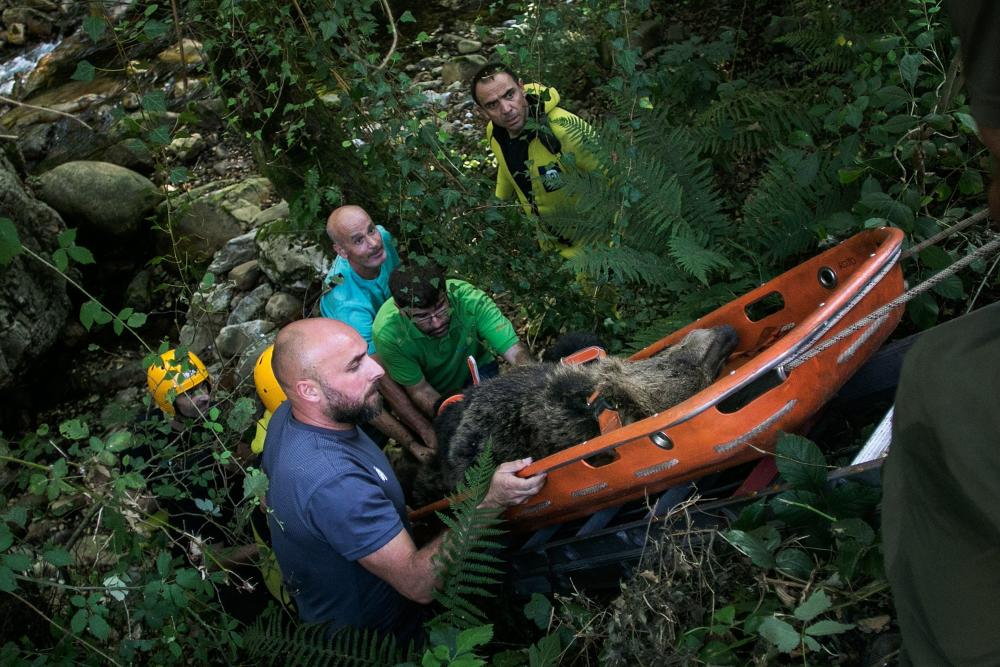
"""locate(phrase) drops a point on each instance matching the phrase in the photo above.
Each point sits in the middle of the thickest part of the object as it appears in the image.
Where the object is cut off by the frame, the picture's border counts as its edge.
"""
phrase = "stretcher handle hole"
(827, 277)
(764, 306)
(601, 459)
(661, 440)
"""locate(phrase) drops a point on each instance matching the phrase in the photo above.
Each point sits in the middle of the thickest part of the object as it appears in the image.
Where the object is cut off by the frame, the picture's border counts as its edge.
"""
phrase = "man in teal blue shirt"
(359, 285)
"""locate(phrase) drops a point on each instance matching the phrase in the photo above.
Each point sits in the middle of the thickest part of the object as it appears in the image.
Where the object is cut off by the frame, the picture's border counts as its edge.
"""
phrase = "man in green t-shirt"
(429, 327)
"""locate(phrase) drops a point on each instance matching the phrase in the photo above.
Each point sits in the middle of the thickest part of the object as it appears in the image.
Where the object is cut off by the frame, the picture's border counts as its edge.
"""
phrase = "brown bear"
(538, 409)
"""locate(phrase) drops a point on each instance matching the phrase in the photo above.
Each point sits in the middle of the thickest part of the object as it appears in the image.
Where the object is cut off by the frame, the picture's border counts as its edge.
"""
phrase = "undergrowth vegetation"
(726, 156)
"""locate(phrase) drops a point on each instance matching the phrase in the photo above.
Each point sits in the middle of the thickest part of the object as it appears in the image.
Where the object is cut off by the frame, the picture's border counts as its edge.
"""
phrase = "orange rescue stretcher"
(765, 387)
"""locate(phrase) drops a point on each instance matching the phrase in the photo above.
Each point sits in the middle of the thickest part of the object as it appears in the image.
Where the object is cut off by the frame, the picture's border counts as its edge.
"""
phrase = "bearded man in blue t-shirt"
(359, 285)
(337, 515)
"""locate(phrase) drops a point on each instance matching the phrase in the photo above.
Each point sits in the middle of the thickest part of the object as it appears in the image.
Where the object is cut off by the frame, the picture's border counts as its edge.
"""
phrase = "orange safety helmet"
(161, 379)
(270, 392)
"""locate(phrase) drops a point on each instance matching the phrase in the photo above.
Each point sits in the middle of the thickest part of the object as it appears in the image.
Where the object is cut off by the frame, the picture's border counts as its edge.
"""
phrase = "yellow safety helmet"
(270, 392)
(161, 379)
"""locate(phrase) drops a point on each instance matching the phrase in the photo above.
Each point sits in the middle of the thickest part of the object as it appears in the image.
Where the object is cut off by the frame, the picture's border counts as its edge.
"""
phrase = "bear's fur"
(538, 409)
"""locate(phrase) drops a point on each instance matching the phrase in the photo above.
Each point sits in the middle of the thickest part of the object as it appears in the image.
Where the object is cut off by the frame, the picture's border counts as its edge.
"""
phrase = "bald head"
(303, 346)
(356, 238)
(324, 369)
(341, 217)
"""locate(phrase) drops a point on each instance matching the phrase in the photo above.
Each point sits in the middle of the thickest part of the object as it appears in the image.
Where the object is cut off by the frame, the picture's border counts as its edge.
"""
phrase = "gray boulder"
(279, 211)
(245, 275)
(206, 218)
(248, 358)
(33, 300)
(107, 198)
(132, 154)
(290, 261)
(205, 317)
(234, 339)
(251, 306)
(461, 68)
(236, 251)
(282, 308)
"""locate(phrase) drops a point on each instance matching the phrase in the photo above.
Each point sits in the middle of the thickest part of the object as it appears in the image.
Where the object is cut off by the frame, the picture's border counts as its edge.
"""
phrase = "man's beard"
(343, 411)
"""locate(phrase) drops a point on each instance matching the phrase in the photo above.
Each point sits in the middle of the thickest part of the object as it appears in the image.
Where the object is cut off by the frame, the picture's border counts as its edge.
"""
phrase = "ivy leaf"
(970, 182)
(154, 101)
(159, 136)
(179, 175)
(116, 588)
(255, 484)
(828, 628)
(751, 546)
(6, 537)
(923, 310)
(94, 26)
(188, 578)
(328, 29)
(794, 562)
(58, 557)
(469, 639)
(154, 29)
(407, 17)
(98, 626)
(17, 515)
(60, 259)
(74, 429)
(817, 603)
(118, 441)
(779, 633)
(800, 462)
(87, 312)
(136, 320)
(909, 67)
(10, 244)
(80, 254)
(951, 288)
(163, 564)
(84, 71)
(846, 176)
(17, 562)
(79, 621)
(66, 238)
(241, 416)
(967, 122)
(545, 652)
(538, 609)
(102, 316)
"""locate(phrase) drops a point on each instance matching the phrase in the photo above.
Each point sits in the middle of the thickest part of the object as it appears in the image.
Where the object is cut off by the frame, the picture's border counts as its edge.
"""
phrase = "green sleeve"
(493, 328)
(392, 348)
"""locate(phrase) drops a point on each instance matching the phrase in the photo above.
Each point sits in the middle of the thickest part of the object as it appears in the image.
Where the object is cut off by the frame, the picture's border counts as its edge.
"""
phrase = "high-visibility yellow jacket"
(538, 183)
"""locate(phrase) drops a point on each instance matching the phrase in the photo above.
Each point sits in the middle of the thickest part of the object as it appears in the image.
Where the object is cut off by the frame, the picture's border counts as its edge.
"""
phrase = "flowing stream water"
(21, 65)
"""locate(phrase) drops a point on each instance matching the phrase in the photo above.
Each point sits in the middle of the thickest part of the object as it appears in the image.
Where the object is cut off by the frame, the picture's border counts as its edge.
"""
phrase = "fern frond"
(619, 263)
(276, 639)
(787, 208)
(467, 569)
(695, 258)
(747, 121)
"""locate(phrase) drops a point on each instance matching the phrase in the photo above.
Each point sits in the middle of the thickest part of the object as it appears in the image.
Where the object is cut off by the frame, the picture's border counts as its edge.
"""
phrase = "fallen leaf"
(874, 624)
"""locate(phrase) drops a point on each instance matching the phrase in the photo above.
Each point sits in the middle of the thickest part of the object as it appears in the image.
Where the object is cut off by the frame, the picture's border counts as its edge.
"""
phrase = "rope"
(954, 229)
(988, 249)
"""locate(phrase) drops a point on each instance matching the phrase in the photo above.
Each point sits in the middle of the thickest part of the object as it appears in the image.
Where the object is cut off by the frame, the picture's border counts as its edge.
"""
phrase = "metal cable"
(983, 252)
(945, 233)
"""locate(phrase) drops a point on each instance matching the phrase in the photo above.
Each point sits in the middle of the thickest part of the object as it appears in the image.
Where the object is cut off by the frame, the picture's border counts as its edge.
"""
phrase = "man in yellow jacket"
(529, 154)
